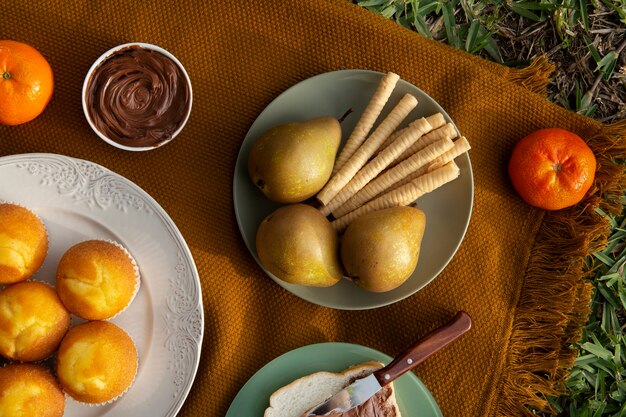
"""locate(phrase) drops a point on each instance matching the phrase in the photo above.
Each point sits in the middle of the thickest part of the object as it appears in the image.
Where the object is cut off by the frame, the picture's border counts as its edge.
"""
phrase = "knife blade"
(363, 389)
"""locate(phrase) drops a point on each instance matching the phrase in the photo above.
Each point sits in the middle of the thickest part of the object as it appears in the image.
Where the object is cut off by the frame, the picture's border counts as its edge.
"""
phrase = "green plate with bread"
(412, 396)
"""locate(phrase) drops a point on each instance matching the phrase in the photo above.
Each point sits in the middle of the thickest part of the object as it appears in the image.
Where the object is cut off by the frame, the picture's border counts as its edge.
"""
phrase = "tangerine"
(26, 83)
(552, 168)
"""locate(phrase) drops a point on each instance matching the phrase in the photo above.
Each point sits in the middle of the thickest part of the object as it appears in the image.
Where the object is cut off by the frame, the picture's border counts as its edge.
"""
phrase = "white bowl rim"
(104, 57)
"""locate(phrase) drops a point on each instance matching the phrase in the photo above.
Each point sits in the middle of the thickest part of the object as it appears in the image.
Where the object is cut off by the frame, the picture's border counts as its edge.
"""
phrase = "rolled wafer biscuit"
(378, 164)
(402, 195)
(446, 130)
(363, 154)
(461, 145)
(387, 180)
(434, 120)
(368, 118)
(408, 202)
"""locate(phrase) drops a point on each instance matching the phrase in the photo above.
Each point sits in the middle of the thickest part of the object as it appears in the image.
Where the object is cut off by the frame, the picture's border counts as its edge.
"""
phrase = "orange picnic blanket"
(519, 271)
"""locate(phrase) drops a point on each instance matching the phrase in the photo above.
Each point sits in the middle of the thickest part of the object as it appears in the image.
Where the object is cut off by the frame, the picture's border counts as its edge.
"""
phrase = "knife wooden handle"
(431, 343)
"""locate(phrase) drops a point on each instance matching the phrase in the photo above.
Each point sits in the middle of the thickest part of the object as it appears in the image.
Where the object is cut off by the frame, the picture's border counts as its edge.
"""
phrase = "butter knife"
(363, 389)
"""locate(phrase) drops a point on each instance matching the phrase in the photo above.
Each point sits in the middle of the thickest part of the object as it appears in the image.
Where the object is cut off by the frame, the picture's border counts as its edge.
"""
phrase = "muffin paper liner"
(47, 238)
(49, 362)
(52, 356)
(44, 365)
(112, 400)
(135, 268)
(137, 276)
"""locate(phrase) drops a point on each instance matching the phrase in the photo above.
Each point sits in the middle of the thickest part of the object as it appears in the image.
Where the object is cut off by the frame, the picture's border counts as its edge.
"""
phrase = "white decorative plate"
(80, 200)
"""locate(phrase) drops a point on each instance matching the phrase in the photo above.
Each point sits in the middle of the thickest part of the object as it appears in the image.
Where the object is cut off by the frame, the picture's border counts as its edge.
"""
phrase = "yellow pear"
(297, 244)
(293, 161)
(380, 250)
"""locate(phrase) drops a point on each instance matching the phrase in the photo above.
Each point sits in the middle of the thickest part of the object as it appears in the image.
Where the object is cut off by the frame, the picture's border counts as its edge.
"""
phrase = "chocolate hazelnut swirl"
(382, 404)
(138, 97)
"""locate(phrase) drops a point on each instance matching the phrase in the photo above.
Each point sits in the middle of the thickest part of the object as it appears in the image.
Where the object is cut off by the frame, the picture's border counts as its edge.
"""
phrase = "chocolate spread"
(380, 405)
(377, 406)
(138, 97)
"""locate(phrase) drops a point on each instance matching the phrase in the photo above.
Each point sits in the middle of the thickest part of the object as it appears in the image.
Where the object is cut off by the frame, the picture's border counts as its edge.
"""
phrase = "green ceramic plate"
(447, 209)
(412, 396)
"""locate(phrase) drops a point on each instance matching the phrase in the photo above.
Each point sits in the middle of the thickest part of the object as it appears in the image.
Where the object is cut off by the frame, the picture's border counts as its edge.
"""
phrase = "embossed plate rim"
(94, 189)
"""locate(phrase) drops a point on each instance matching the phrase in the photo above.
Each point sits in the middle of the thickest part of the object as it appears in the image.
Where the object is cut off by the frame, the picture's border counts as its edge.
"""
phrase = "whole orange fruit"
(552, 168)
(26, 83)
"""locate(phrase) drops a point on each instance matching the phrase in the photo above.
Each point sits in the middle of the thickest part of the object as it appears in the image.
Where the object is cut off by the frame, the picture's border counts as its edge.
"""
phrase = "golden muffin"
(96, 362)
(97, 279)
(23, 243)
(28, 390)
(32, 321)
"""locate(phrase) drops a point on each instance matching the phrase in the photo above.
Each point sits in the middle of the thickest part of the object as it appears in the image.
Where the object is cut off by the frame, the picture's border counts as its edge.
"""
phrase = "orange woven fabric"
(519, 271)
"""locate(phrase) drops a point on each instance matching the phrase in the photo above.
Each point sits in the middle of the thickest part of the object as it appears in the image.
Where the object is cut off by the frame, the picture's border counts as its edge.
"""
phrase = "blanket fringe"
(534, 77)
(541, 354)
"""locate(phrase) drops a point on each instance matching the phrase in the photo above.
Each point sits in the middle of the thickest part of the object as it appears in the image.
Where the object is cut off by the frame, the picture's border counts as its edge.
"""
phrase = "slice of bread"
(300, 396)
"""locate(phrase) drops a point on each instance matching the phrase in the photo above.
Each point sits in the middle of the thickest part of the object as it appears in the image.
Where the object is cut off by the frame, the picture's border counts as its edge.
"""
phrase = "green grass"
(575, 31)
(472, 33)
(572, 31)
(597, 384)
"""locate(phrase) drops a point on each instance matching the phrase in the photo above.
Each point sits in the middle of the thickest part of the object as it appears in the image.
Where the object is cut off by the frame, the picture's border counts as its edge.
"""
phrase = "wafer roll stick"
(435, 120)
(403, 195)
(376, 165)
(360, 157)
(391, 177)
(461, 145)
(408, 202)
(368, 118)
(446, 130)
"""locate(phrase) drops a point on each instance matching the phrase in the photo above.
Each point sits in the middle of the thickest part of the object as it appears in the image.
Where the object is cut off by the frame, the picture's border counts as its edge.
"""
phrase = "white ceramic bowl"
(107, 55)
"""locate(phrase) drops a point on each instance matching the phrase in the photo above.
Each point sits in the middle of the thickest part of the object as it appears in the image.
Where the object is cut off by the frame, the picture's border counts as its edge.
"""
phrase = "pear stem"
(346, 114)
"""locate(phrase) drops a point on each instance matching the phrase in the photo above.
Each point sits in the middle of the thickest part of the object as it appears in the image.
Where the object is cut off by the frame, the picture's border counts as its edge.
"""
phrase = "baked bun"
(96, 362)
(32, 321)
(298, 398)
(28, 390)
(97, 279)
(23, 243)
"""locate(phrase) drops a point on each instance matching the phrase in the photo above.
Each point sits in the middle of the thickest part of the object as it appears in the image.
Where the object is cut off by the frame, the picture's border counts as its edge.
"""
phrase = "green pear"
(379, 250)
(293, 161)
(297, 244)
